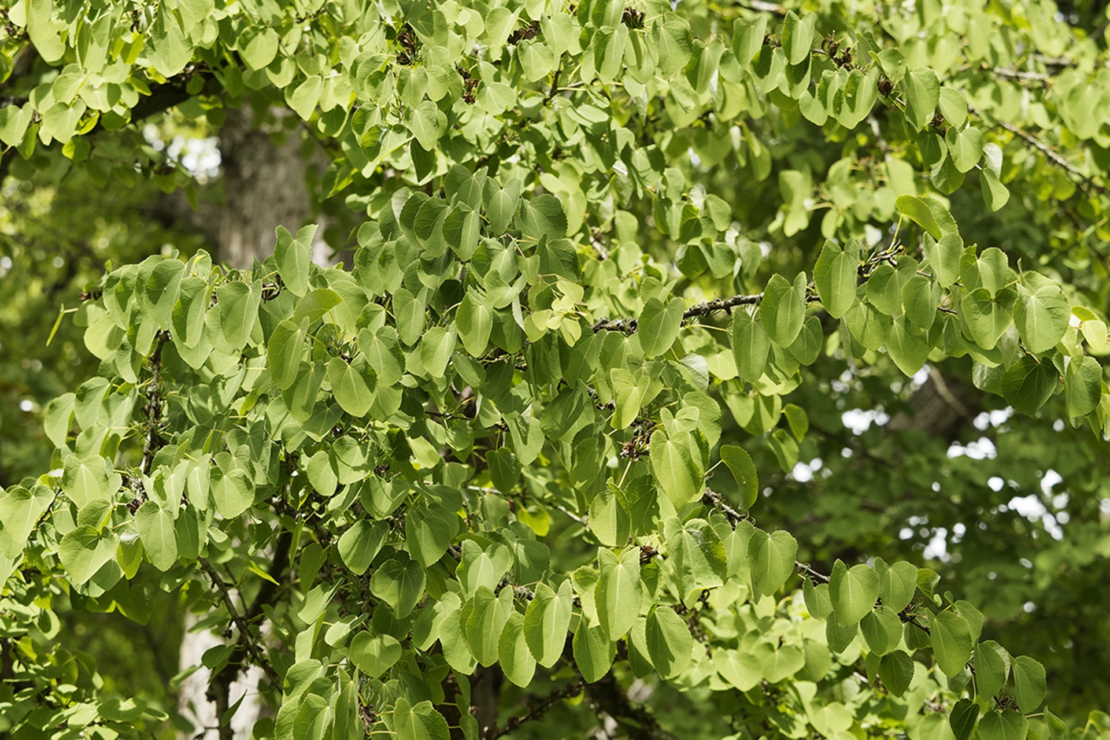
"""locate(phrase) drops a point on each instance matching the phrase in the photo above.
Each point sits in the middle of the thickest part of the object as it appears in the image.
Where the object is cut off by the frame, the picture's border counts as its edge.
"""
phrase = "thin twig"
(258, 657)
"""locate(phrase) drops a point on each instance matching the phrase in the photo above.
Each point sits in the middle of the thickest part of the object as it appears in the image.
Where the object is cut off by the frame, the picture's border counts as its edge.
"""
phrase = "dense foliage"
(617, 271)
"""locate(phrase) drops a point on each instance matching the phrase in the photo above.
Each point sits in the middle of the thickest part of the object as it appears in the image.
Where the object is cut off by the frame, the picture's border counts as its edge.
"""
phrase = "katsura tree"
(611, 270)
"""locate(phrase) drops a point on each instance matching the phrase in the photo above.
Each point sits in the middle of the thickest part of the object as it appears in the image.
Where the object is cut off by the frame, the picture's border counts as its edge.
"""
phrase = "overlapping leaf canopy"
(558, 323)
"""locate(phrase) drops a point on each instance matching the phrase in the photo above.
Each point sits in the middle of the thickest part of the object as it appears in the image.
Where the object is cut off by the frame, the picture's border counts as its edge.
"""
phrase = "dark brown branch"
(540, 708)
(162, 97)
(629, 326)
(634, 720)
(246, 642)
(154, 441)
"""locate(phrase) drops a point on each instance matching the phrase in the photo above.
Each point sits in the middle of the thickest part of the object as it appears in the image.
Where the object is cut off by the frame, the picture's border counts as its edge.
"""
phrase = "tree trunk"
(265, 180)
(265, 175)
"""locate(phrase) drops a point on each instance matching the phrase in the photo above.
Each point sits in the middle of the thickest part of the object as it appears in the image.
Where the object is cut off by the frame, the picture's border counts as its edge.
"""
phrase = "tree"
(506, 465)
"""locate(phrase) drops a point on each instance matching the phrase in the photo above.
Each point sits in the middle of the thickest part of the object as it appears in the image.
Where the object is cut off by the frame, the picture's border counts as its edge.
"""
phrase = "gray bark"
(265, 179)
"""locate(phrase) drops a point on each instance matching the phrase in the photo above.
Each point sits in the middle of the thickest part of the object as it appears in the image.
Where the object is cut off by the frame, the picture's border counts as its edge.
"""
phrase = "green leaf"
(964, 717)
(807, 346)
(945, 256)
(741, 669)
(315, 305)
(86, 480)
(672, 41)
(1029, 683)
(188, 314)
(238, 306)
(897, 583)
(896, 671)
(546, 622)
(383, 352)
(748, 35)
(361, 543)
(1028, 384)
(987, 317)
(882, 629)
(474, 322)
(20, 509)
(504, 469)
(593, 651)
(436, 348)
(676, 468)
(349, 387)
(853, 591)
(669, 642)
(170, 49)
(1082, 385)
(1007, 725)
(84, 550)
(543, 216)
(797, 36)
(928, 214)
(42, 31)
(513, 653)
(995, 194)
(537, 60)
(922, 91)
(992, 667)
(783, 308)
(409, 313)
(233, 492)
(419, 722)
(156, 530)
(965, 147)
(1042, 317)
(919, 300)
(772, 559)
(619, 591)
(374, 654)
(284, 353)
(951, 640)
(659, 324)
(293, 256)
(835, 276)
(398, 582)
(628, 396)
(261, 49)
(427, 123)
(818, 601)
(740, 464)
(486, 621)
(501, 205)
(303, 98)
(750, 345)
(908, 346)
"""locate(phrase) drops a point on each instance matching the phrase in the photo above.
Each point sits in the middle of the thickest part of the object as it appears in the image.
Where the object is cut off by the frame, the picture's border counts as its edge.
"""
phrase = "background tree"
(379, 483)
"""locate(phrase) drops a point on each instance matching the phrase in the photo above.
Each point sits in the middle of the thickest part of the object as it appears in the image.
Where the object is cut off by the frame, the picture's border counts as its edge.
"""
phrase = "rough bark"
(265, 179)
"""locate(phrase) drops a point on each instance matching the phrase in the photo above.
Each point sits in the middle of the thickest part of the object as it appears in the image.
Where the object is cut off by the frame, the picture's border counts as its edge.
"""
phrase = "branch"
(634, 720)
(541, 708)
(629, 326)
(1085, 181)
(169, 94)
(716, 501)
(153, 441)
(245, 643)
